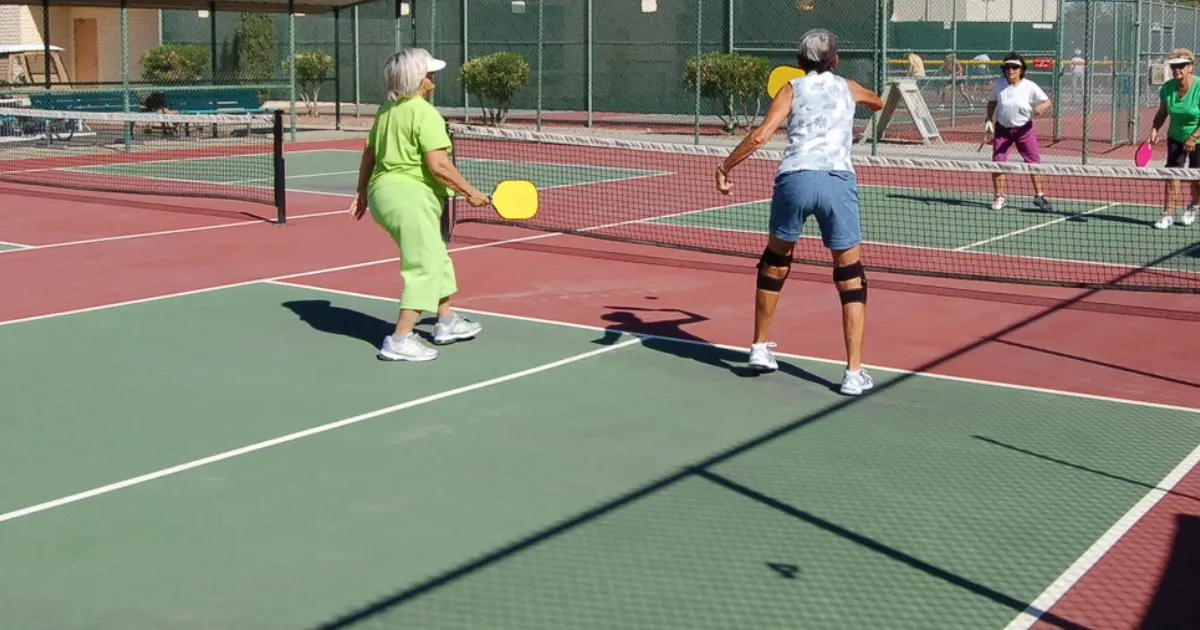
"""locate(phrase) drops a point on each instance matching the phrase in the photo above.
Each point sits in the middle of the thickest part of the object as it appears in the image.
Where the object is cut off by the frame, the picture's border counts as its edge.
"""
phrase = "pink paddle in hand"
(1143, 155)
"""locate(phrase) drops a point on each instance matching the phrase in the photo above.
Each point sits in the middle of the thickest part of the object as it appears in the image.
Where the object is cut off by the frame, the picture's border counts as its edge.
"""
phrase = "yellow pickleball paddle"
(780, 77)
(515, 200)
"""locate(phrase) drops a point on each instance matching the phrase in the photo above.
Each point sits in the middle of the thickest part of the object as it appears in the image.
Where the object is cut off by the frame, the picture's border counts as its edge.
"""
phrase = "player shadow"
(1175, 605)
(1062, 462)
(945, 201)
(669, 337)
(335, 320)
(1024, 205)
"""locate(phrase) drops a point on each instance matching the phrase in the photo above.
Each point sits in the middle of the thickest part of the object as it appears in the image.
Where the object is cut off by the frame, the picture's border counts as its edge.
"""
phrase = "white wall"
(23, 25)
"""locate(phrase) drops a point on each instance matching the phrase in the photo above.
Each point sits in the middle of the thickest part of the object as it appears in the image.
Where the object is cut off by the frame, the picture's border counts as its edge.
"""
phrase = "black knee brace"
(768, 260)
(846, 274)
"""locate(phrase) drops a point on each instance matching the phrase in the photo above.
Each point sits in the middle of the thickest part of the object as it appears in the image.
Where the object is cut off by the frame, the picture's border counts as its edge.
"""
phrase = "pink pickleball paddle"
(1143, 155)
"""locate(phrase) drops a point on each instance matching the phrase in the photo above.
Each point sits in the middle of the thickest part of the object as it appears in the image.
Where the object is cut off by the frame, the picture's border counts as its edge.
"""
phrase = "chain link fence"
(623, 64)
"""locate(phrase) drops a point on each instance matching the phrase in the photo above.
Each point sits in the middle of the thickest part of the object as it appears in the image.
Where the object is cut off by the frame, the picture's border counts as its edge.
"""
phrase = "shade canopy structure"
(291, 8)
(261, 6)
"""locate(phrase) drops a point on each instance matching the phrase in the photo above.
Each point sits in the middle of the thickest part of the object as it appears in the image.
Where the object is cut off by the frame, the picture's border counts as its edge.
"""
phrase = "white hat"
(1181, 55)
(435, 65)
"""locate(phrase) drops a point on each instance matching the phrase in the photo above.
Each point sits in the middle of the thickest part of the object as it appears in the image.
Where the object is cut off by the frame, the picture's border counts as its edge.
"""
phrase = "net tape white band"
(469, 132)
(137, 117)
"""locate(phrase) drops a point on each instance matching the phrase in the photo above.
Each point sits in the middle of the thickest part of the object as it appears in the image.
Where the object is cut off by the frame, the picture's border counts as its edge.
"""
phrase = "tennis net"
(929, 217)
(227, 156)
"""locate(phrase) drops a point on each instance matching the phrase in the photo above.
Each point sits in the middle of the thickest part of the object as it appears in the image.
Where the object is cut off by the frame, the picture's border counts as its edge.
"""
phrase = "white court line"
(292, 437)
(202, 228)
(1033, 227)
(1103, 545)
(746, 349)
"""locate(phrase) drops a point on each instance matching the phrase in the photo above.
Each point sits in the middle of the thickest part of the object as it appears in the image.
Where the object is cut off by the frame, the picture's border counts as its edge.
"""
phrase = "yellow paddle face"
(780, 77)
(515, 200)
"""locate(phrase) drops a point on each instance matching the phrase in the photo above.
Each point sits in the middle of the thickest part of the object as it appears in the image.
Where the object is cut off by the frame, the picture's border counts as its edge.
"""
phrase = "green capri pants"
(412, 216)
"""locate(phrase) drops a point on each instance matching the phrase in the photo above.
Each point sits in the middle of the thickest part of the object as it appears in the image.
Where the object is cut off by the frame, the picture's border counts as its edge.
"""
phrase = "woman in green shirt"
(403, 178)
(1179, 100)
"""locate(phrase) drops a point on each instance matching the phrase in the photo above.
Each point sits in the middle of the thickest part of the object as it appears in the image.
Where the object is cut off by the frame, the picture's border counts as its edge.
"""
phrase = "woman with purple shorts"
(1015, 102)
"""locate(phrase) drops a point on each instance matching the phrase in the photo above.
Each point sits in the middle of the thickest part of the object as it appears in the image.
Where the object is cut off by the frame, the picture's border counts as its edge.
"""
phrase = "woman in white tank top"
(816, 176)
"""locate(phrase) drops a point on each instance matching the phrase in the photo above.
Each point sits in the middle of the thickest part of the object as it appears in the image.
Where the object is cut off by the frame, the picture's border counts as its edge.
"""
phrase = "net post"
(292, 64)
(465, 11)
(699, 71)
(591, 42)
(46, 44)
(1060, 67)
(337, 69)
(280, 170)
(357, 84)
(540, 67)
(1089, 50)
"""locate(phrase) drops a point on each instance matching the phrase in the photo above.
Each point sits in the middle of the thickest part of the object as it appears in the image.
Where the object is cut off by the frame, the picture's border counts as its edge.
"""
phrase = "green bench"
(85, 101)
(223, 101)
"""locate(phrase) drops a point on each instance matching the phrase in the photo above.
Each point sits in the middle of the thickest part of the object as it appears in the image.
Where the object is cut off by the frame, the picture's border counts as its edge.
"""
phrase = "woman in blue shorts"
(816, 176)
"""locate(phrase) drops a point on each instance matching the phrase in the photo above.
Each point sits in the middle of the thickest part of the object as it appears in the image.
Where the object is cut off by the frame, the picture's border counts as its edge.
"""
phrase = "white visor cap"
(435, 65)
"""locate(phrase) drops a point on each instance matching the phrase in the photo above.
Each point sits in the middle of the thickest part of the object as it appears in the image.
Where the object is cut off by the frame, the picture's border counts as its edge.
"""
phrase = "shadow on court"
(1024, 204)
(1096, 362)
(1087, 469)
(1174, 580)
(1175, 605)
(665, 336)
(322, 315)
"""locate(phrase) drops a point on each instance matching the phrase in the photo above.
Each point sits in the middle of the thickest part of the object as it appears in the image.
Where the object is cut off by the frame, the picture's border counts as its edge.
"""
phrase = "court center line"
(1103, 545)
(842, 362)
(201, 228)
(292, 437)
(1034, 227)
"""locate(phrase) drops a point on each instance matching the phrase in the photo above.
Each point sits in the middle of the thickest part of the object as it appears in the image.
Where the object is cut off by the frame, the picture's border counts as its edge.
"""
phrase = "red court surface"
(1135, 346)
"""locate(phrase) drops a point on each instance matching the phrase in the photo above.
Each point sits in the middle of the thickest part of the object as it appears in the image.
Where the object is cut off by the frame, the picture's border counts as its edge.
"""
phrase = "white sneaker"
(1189, 215)
(855, 383)
(1165, 222)
(407, 348)
(761, 357)
(998, 203)
(459, 329)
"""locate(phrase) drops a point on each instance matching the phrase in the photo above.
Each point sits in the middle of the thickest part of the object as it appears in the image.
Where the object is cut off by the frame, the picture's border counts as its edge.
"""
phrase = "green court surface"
(4, 247)
(931, 503)
(1091, 230)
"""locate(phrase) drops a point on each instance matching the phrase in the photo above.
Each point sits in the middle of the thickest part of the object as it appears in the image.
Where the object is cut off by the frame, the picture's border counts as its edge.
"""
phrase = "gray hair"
(404, 71)
(817, 51)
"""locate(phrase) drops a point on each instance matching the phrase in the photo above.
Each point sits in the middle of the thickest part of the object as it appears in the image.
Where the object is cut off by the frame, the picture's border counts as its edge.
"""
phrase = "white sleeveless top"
(820, 129)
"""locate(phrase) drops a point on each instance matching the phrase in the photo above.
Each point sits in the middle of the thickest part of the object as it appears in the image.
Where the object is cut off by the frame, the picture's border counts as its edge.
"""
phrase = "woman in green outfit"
(403, 178)
(1179, 100)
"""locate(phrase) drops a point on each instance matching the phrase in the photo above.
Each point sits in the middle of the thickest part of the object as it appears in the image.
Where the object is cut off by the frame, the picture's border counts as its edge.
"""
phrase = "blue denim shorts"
(832, 196)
